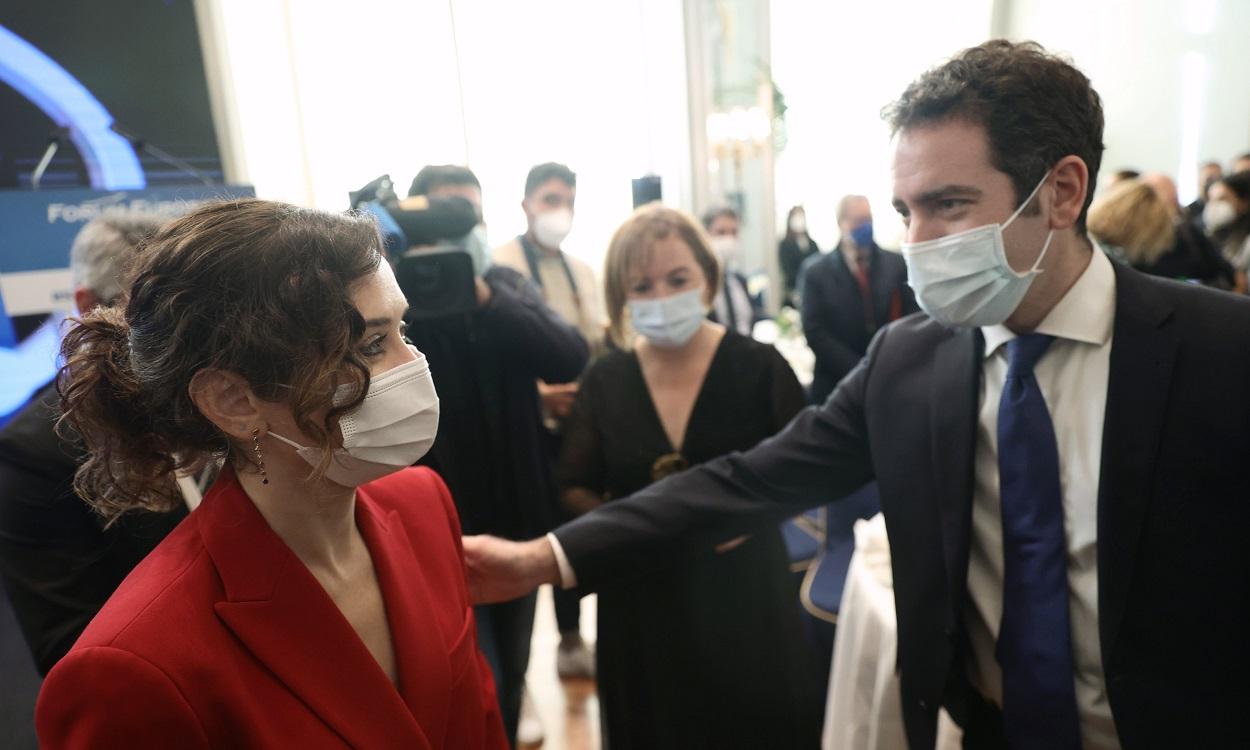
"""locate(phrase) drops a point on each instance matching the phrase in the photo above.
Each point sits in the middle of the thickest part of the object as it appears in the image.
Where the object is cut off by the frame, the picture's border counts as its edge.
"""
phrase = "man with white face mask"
(1060, 448)
(569, 287)
(568, 283)
(734, 307)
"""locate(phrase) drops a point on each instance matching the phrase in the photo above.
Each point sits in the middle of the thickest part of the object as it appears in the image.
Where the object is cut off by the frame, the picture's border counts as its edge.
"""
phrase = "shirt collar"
(1086, 313)
(851, 254)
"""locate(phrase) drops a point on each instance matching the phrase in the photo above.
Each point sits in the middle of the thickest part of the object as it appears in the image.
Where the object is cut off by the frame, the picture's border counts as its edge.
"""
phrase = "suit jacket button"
(924, 704)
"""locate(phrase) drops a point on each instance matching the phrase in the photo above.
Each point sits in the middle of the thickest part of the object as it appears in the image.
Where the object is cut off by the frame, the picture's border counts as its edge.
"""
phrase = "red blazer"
(222, 638)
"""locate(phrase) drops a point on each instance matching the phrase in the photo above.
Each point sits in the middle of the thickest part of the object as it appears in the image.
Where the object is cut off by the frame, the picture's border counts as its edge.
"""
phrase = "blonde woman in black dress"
(709, 653)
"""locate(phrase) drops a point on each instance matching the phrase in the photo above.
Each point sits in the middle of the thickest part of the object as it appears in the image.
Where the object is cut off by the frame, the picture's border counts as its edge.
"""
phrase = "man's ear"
(1070, 186)
(226, 400)
(85, 300)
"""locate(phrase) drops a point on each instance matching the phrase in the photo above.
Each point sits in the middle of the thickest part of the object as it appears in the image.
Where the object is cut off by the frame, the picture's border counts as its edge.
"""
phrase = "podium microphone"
(160, 154)
(45, 161)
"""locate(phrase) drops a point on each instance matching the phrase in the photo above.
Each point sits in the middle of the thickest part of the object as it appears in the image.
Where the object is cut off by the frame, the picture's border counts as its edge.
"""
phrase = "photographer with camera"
(489, 338)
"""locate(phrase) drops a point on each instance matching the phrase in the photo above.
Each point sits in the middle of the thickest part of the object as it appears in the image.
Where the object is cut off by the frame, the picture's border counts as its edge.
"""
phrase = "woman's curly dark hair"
(257, 288)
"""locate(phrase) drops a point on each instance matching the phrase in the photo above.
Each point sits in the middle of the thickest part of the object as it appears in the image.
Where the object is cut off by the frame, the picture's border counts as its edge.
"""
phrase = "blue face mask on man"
(861, 235)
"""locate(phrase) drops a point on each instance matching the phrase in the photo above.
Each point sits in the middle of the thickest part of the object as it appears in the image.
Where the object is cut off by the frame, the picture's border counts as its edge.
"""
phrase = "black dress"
(710, 654)
(791, 256)
(489, 448)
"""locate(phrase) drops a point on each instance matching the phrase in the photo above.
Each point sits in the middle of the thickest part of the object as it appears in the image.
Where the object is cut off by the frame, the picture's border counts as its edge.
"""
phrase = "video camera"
(435, 244)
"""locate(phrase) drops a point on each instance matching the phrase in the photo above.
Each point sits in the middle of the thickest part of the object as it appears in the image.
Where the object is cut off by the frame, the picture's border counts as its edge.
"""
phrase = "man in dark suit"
(57, 560)
(849, 295)
(1060, 448)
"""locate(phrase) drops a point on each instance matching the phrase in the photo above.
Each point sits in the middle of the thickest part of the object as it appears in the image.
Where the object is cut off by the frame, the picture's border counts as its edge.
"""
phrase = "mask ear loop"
(288, 441)
(1027, 201)
(1049, 235)
(1037, 266)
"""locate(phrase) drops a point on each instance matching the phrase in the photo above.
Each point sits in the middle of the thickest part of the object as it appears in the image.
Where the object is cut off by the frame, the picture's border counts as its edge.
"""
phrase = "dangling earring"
(260, 458)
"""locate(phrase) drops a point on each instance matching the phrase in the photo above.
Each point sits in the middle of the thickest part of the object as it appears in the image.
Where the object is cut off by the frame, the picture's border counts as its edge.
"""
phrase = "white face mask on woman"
(392, 428)
(964, 279)
(1218, 214)
(669, 322)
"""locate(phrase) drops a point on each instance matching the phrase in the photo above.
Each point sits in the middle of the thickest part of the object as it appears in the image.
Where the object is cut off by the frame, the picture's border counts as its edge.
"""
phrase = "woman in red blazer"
(316, 598)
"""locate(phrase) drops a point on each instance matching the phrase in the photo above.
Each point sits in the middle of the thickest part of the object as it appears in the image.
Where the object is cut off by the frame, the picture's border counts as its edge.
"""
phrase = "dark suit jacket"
(833, 312)
(222, 638)
(1194, 256)
(57, 560)
(485, 366)
(791, 258)
(1173, 507)
(739, 280)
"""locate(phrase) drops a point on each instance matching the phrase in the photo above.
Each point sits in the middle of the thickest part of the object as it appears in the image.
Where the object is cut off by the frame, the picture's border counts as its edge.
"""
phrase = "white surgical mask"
(726, 249)
(669, 322)
(392, 428)
(551, 227)
(964, 279)
(1218, 214)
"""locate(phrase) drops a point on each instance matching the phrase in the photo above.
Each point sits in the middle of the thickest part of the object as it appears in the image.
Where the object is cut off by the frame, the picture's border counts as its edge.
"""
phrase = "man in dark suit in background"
(848, 295)
(58, 562)
(1060, 448)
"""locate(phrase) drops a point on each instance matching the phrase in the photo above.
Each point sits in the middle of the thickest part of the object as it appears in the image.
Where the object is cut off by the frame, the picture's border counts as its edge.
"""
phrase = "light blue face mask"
(478, 248)
(964, 279)
(669, 322)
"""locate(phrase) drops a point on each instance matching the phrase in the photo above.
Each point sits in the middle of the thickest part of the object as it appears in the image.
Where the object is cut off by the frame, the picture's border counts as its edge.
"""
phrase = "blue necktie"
(1035, 641)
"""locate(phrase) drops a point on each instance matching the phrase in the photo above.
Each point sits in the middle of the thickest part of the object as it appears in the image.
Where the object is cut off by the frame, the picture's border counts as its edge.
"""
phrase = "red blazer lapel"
(287, 621)
(421, 647)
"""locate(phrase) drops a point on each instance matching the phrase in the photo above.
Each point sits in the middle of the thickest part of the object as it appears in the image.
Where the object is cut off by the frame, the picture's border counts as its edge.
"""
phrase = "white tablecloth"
(864, 710)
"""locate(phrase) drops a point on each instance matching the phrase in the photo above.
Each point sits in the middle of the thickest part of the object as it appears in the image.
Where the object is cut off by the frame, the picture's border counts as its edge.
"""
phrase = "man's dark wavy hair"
(1035, 107)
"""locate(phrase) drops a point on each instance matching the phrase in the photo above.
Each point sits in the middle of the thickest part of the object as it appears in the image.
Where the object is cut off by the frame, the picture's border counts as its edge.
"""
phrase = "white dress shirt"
(1073, 376)
(734, 293)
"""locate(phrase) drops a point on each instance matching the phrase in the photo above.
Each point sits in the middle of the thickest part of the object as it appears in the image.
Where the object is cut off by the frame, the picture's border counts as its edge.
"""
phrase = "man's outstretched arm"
(822, 455)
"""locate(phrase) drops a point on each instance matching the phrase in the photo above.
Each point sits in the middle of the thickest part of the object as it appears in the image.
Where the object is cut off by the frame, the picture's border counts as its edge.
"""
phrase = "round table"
(863, 709)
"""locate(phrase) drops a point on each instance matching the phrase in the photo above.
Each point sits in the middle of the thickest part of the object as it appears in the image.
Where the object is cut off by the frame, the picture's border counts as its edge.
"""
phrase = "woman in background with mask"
(710, 654)
(1133, 224)
(1227, 218)
(316, 598)
(796, 246)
